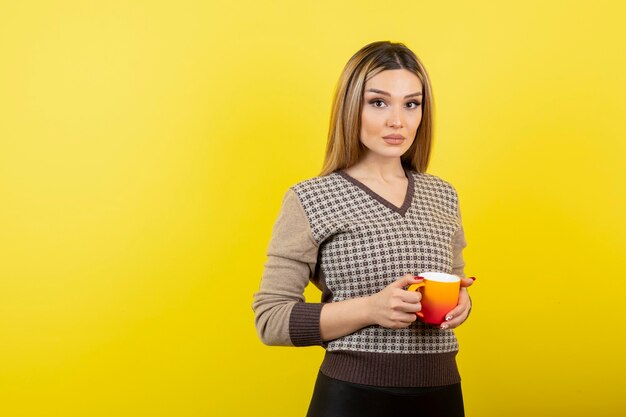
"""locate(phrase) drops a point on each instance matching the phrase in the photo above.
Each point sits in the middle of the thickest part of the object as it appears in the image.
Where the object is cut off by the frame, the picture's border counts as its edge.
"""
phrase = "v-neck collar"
(408, 198)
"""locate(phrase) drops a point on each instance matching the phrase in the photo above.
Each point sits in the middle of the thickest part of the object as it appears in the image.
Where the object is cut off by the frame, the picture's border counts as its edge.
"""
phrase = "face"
(392, 105)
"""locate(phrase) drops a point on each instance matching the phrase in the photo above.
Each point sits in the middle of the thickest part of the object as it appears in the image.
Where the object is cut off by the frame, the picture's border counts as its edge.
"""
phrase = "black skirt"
(335, 398)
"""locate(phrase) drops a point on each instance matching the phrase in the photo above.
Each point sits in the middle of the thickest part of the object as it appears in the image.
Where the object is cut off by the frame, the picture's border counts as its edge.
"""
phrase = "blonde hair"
(344, 148)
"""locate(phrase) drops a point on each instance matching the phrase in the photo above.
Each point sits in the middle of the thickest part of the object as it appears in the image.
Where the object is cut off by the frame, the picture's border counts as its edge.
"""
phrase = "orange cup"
(440, 294)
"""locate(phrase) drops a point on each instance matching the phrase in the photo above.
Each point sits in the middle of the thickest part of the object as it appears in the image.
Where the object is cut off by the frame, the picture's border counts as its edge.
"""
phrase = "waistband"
(392, 369)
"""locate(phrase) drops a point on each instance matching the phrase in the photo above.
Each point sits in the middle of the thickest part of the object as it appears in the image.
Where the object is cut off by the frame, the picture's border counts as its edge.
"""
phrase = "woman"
(362, 231)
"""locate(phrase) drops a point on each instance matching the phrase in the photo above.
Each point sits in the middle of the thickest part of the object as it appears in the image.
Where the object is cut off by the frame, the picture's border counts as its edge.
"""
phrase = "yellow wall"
(145, 147)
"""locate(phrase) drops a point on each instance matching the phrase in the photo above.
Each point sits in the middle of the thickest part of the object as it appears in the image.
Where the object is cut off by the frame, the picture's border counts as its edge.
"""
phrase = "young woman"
(361, 232)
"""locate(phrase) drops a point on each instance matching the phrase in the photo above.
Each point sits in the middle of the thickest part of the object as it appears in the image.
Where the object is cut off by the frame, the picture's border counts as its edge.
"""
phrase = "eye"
(376, 101)
(417, 104)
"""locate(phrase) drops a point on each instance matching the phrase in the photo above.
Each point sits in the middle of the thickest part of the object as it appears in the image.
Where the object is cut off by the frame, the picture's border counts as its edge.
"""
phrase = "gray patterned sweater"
(350, 242)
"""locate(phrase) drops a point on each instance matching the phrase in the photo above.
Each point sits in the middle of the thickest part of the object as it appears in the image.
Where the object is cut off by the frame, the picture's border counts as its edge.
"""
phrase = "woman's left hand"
(459, 313)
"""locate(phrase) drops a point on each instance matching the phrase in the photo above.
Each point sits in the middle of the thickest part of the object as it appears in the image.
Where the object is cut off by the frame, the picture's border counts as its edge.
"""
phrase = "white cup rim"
(439, 277)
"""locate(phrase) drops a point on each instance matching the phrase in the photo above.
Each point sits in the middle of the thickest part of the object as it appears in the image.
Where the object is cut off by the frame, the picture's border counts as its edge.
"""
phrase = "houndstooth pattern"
(365, 245)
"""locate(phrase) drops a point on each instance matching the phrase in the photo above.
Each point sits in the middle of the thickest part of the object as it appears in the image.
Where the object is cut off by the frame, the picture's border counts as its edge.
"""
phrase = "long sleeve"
(458, 244)
(282, 317)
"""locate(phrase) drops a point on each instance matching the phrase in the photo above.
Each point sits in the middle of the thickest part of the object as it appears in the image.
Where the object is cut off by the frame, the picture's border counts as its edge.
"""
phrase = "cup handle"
(416, 287)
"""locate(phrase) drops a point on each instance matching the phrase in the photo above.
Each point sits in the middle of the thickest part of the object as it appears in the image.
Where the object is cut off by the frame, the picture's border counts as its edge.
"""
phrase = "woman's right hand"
(393, 306)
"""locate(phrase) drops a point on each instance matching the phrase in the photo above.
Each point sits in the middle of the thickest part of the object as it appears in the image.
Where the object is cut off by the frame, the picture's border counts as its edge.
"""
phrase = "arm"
(461, 312)
(392, 307)
(282, 317)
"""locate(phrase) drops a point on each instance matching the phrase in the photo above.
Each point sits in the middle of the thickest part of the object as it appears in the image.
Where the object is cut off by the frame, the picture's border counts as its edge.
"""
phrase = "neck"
(380, 168)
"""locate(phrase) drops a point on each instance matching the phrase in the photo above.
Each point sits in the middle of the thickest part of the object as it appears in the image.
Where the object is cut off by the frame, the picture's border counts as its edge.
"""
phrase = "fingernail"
(444, 326)
(448, 318)
(472, 278)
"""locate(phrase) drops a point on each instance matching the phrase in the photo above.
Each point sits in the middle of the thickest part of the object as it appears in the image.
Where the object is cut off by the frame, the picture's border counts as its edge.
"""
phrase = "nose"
(395, 119)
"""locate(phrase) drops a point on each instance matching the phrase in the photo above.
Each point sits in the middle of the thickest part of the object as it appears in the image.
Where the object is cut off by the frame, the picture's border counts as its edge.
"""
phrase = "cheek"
(415, 122)
(370, 121)
(418, 119)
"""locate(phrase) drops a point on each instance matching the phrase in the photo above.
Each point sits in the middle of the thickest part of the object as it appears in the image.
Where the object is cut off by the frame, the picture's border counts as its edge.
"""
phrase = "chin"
(396, 154)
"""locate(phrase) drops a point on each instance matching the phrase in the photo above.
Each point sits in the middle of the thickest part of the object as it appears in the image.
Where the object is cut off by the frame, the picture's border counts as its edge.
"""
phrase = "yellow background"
(145, 147)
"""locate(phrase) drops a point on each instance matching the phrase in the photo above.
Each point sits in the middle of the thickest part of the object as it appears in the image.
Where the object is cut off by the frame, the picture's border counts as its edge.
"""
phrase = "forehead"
(397, 82)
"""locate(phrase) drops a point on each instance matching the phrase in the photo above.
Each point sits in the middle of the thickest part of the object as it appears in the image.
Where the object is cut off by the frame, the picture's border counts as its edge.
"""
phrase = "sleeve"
(282, 317)
(458, 244)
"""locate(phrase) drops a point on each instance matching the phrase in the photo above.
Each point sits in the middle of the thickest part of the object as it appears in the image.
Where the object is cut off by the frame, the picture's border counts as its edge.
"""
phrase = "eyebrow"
(374, 90)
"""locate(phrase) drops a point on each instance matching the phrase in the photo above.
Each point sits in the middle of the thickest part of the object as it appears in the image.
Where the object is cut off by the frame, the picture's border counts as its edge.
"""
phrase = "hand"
(393, 306)
(459, 314)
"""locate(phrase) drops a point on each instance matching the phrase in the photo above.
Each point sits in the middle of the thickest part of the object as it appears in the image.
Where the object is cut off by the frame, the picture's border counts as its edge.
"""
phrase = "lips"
(393, 139)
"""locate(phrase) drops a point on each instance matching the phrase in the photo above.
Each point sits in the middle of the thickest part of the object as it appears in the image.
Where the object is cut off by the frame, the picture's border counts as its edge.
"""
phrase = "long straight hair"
(344, 147)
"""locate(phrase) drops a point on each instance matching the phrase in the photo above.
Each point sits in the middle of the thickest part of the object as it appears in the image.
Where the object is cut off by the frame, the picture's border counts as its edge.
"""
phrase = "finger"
(406, 301)
(454, 313)
(410, 296)
(402, 318)
(404, 281)
(455, 322)
(467, 282)
(408, 318)
(411, 308)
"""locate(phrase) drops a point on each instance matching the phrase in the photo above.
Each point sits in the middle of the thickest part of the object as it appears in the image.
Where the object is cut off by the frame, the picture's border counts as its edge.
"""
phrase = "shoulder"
(321, 199)
(315, 184)
(432, 181)
(314, 190)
